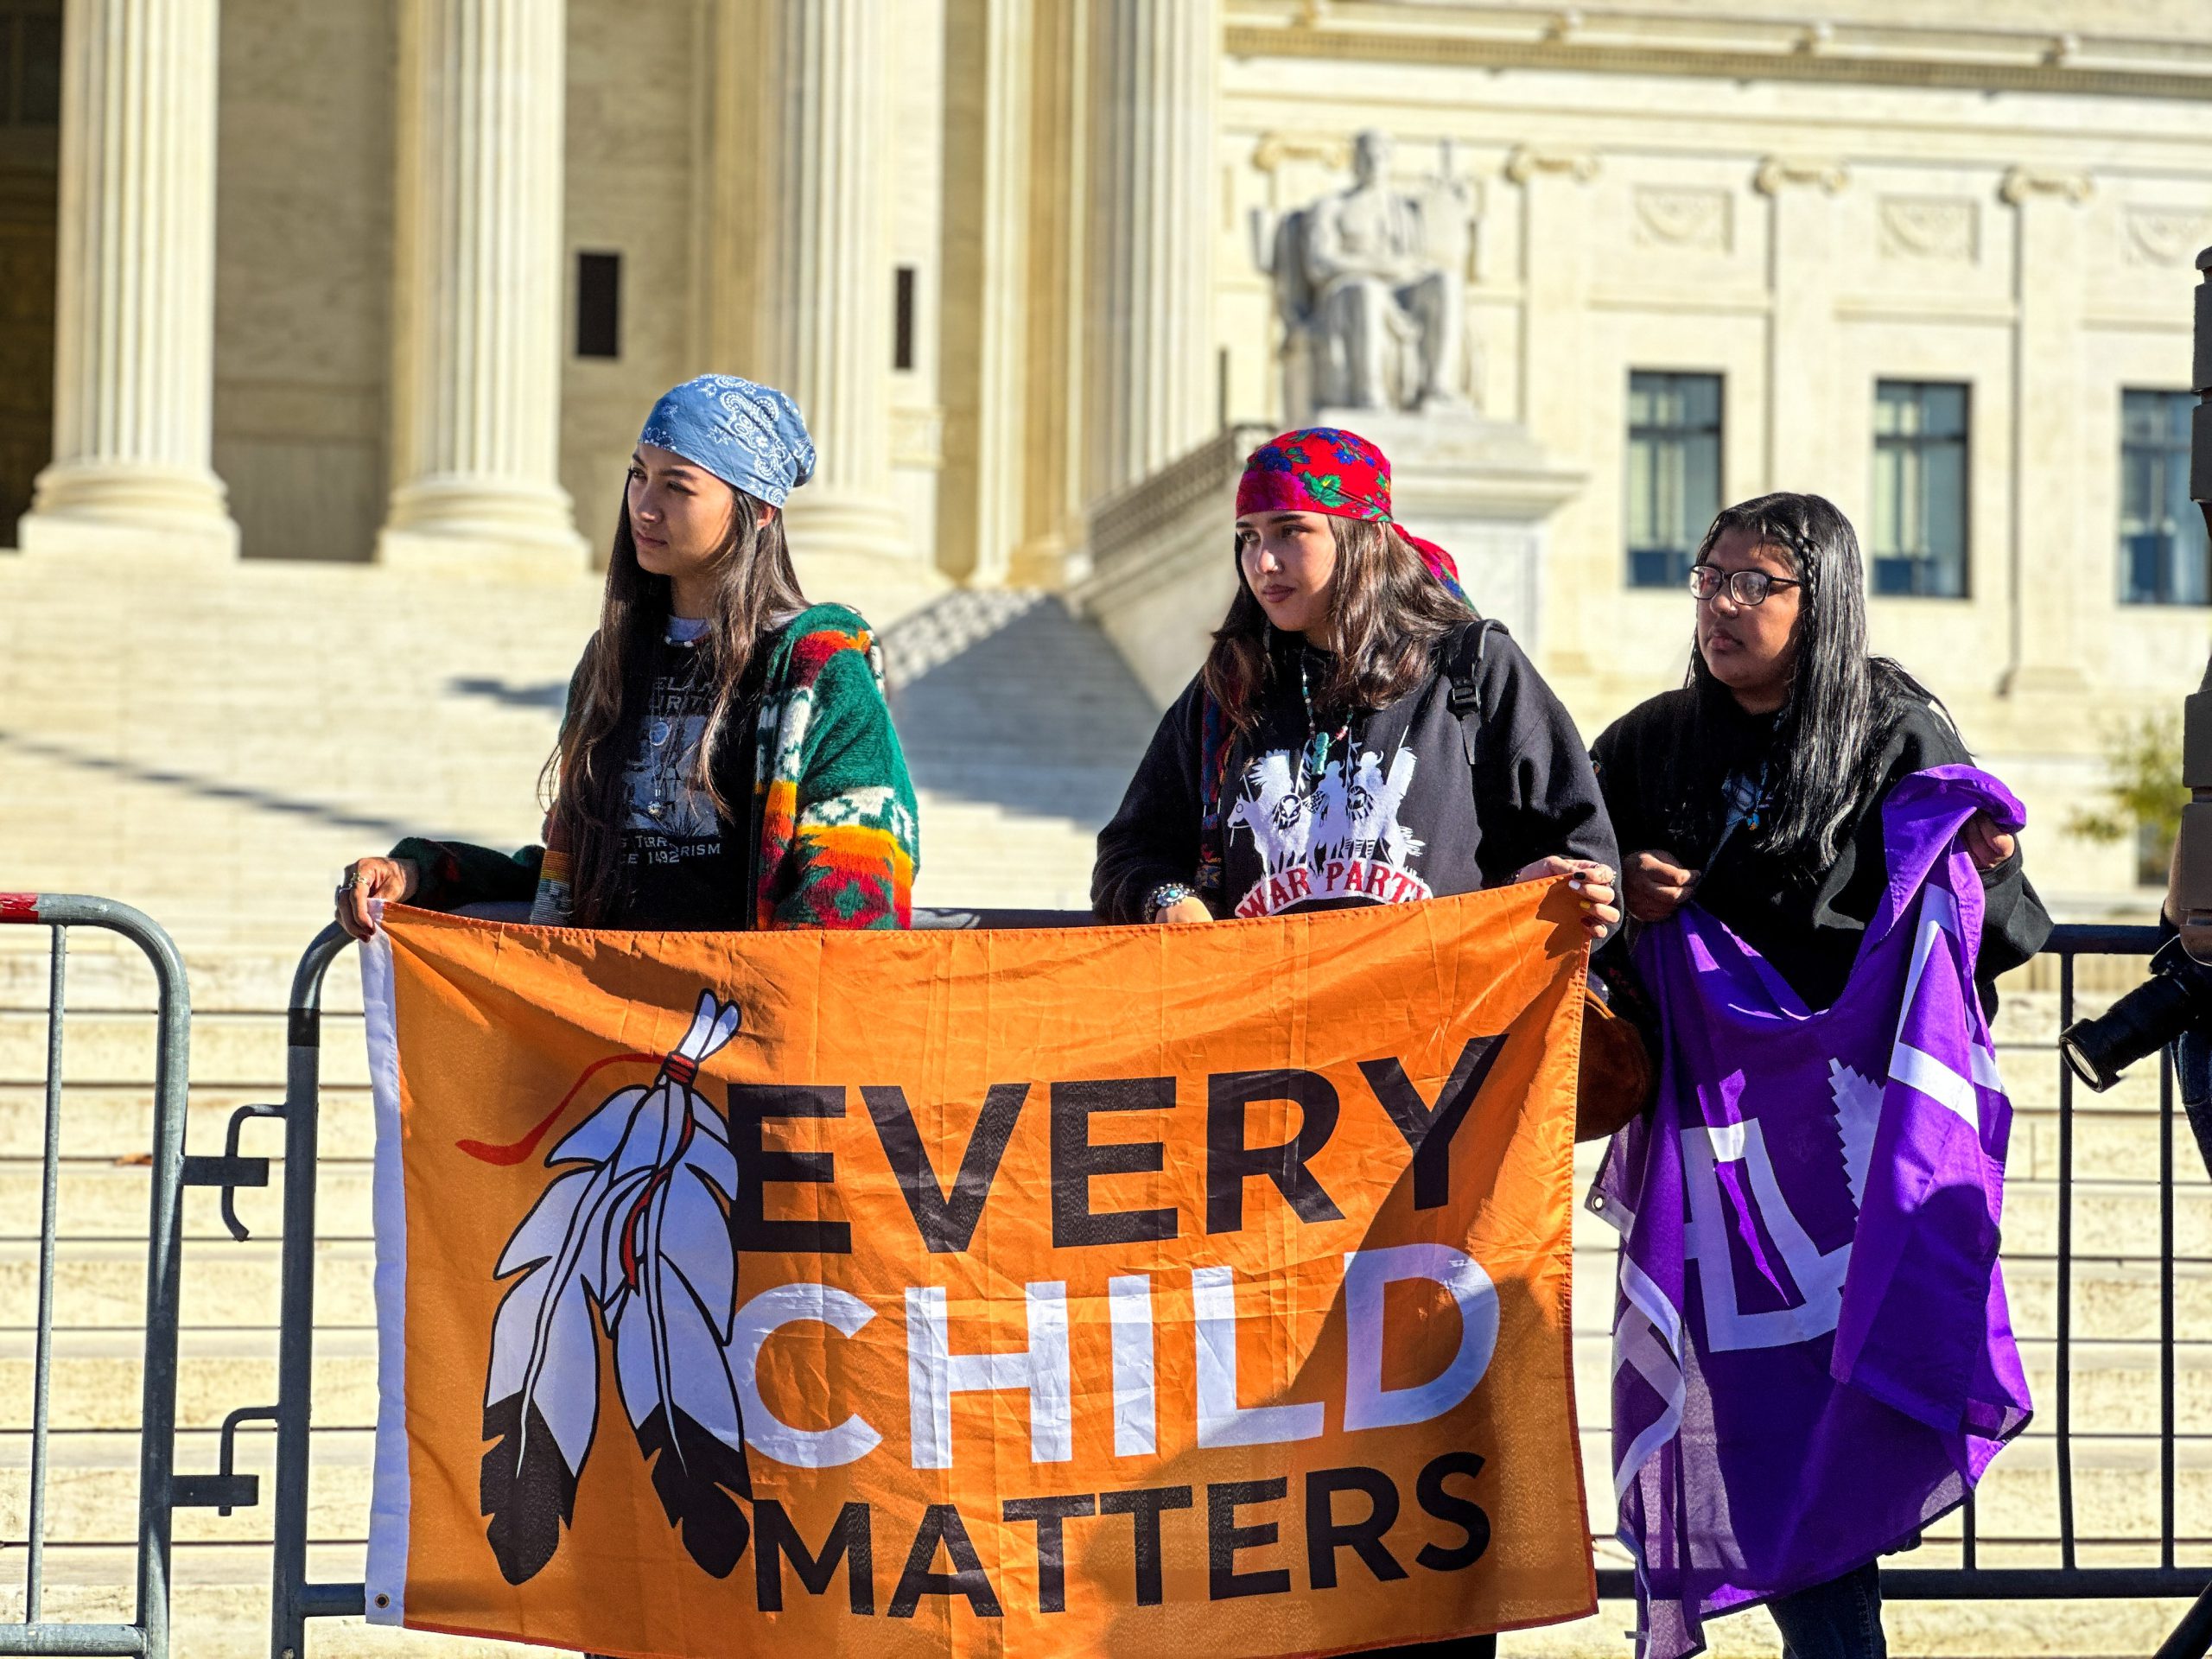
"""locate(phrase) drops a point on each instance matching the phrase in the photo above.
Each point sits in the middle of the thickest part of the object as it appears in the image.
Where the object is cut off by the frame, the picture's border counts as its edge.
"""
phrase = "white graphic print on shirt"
(1336, 836)
(663, 802)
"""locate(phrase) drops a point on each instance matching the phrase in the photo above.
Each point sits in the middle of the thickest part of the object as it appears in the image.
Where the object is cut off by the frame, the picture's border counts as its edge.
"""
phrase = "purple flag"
(1812, 1357)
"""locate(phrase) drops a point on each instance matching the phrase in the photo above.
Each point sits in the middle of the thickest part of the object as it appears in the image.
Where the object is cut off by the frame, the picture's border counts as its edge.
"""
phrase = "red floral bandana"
(1327, 470)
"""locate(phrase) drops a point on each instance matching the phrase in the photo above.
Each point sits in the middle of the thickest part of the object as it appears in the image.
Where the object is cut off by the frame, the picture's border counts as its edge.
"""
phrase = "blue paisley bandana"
(751, 437)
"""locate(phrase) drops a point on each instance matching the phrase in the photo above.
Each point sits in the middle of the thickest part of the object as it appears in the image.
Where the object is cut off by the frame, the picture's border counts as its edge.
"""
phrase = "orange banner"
(1126, 1290)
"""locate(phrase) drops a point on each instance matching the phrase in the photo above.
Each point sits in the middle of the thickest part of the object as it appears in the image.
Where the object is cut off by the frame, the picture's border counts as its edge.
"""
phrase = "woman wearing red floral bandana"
(1355, 736)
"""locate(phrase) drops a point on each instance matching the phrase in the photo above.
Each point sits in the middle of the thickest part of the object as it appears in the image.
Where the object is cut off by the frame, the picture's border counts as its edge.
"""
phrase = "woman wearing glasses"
(1758, 785)
(1757, 788)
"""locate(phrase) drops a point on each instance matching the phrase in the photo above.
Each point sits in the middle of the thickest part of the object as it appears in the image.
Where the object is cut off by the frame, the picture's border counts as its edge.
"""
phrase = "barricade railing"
(161, 1490)
(294, 1598)
(1948, 1568)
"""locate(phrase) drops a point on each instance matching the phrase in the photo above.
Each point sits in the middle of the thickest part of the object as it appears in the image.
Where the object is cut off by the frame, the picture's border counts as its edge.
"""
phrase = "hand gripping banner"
(1108, 1290)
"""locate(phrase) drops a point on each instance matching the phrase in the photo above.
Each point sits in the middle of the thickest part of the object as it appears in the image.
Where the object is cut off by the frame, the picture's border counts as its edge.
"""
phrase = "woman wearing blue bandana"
(726, 759)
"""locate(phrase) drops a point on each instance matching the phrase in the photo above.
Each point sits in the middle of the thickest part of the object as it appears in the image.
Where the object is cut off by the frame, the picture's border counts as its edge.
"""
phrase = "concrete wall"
(2037, 248)
(303, 273)
(634, 161)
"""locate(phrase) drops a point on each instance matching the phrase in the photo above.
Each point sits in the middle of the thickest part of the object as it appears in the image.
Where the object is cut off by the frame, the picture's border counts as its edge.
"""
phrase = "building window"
(2163, 558)
(902, 318)
(599, 305)
(1919, 541)
(1674, 472)
(30, 63)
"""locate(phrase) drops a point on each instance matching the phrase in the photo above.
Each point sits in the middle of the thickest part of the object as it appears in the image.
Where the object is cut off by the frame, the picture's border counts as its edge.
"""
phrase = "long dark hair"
(755, 587)
(1389, 615)
(1824, 758)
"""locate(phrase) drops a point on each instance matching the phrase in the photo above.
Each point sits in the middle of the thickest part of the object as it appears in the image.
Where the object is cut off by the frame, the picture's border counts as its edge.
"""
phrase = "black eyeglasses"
(1745, 587)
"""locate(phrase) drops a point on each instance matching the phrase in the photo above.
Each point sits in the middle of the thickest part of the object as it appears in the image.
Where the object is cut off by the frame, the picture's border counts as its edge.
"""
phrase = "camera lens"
(2142, 1022)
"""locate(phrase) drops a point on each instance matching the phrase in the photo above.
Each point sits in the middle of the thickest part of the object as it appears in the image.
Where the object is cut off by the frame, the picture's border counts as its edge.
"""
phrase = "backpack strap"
(1465, 670)
(1216, 742)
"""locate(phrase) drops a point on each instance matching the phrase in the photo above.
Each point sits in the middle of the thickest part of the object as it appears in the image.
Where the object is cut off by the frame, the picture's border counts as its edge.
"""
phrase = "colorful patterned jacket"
(836, 835)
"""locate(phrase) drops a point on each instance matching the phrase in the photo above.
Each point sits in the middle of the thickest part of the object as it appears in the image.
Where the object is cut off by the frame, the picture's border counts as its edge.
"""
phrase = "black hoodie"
(1394, 810)
(1805, 920)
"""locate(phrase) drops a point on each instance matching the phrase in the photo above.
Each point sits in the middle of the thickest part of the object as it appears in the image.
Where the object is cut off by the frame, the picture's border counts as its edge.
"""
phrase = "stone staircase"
(353, 706)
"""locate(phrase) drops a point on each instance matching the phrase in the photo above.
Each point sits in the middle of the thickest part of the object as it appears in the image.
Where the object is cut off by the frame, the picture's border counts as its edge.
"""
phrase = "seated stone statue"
(1371, 287)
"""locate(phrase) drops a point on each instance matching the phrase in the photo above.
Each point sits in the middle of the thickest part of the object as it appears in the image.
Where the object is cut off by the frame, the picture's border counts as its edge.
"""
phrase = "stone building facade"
(394, 281)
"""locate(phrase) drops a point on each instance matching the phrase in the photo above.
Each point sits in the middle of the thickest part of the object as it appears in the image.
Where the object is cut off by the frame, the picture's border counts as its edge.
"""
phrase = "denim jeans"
(1841, 1620)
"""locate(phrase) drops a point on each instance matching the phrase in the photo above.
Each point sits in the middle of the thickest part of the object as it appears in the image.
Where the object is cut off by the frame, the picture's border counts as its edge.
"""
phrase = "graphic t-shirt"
(1384, 806)
(1326, 825)
(683, 867)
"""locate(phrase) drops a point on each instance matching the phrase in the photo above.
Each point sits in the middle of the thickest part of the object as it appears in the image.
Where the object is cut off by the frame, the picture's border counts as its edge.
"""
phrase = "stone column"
(1802, 397)
(479, 259)
(825, 283)
(1154, 205)
(988, 286)
(135, 303)
(2057, 573)
(1056, 528)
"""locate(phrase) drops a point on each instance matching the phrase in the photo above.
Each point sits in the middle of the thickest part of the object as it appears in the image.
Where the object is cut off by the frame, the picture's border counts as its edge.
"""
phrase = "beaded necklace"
(1315, 760)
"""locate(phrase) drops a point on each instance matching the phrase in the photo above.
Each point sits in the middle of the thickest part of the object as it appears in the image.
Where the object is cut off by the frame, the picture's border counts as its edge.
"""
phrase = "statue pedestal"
(1483, 491)
(1162, 564)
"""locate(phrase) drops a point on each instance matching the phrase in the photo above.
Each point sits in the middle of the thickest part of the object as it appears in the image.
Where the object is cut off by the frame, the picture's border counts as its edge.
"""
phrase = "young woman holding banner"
(1356, 735)
(1757, 787)
(726, 759)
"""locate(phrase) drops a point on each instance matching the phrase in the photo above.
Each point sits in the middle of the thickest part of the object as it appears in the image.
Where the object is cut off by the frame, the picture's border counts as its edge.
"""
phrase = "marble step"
(97, 1375)
(106, 1199)
(230, 1048)
(116, 1120)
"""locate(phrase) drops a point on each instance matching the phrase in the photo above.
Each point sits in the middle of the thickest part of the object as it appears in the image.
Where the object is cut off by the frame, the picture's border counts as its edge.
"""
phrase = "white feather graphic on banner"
(638, 1231)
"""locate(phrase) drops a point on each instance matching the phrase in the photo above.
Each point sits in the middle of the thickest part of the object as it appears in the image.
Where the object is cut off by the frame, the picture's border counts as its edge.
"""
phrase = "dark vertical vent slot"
(38, 88)
(902, 320)
(599, 305)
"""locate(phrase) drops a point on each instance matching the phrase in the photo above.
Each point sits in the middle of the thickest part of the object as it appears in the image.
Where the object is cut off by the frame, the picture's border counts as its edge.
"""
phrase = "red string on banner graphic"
(515, 1151)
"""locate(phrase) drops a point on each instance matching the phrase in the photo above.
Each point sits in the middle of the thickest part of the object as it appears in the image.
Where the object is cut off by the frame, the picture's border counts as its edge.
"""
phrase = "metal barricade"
(294, 1599)
(1925, 1575)
(161, 1490)
(1903, 1578)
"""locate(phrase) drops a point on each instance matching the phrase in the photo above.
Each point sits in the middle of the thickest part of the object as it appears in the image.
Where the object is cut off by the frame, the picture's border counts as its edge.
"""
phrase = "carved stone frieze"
(1930, 227)
(2166, 236)
(1670, 216)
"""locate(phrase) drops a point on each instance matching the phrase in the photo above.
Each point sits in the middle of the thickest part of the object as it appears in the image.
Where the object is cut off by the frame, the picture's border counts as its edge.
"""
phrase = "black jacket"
(1397, 811)
(1807, 922)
